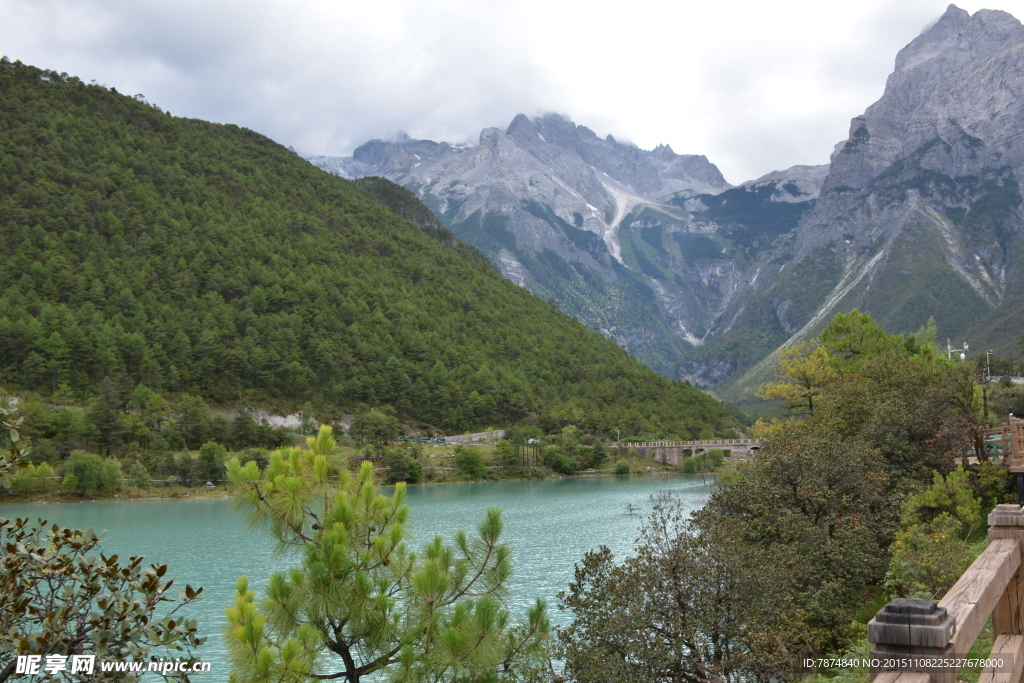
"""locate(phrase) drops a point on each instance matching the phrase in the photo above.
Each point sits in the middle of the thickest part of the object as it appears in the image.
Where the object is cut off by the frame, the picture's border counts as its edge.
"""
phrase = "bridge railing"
(917, 641)
(686, 444)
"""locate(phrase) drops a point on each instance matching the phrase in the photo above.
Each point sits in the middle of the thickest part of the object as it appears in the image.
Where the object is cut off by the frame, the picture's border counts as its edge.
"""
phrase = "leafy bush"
(470, 463)
(705, 462)
(622, 467)
(210, 465)
(993, 484)
(90, 473)
(32, 478)
(951, 495)
(138, 476)
(563, 465)
(402, 467)
(927, 559)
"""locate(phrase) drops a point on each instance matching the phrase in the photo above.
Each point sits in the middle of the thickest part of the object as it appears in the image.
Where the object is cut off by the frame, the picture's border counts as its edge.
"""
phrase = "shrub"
(470, 463)
(927, 559)
(951, 495)
(91, 472)
(44, 450)
(994, 485)
(31, 479)
(563, 465)
(622, 467)
(401, 467)
(257, 455)
(211, 461)
(727, 477)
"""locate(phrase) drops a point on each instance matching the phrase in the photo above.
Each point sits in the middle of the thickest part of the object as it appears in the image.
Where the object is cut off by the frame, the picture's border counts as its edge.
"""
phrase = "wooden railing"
(905, 631)
(1009, 437)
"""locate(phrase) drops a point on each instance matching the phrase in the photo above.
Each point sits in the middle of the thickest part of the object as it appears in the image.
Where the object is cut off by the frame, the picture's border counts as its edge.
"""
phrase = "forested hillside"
(203, 258)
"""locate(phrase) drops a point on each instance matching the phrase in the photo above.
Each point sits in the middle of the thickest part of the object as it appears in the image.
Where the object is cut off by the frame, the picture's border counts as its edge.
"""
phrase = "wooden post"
(1007, 521)
(908, 628)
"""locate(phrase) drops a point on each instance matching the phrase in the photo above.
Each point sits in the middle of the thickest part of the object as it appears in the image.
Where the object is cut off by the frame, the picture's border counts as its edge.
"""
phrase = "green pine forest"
(207, 260)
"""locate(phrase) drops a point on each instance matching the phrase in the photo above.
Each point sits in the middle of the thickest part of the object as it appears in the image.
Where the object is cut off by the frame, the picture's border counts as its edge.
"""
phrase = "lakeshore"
(225, 489)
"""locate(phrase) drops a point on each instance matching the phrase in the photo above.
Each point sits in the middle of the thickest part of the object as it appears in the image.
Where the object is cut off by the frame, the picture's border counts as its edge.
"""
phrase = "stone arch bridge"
(674, 452)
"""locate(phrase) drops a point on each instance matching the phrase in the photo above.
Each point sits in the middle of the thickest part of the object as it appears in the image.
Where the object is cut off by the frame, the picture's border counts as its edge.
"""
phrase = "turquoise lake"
(549, 524)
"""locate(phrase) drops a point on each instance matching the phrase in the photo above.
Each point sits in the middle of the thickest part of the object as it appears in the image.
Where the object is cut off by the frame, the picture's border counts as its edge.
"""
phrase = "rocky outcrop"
(795, 184)
(922, 204)
(941, 151)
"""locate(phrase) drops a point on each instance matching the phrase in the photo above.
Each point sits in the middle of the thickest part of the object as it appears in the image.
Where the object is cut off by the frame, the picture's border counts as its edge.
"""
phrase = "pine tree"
(361, 601)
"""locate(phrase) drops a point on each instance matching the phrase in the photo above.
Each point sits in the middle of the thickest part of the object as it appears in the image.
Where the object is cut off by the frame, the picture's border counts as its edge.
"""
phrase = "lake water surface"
(549, 524)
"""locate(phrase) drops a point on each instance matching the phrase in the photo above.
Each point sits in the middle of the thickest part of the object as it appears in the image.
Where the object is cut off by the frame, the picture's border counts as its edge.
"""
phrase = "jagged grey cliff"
(918, 215)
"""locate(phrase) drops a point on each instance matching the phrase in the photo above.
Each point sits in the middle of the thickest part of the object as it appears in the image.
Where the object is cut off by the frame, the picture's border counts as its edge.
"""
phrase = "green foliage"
(798, 535)
(804, 369)
(31, 479)
(360, 601)
(676, 610)
(810, 510)
(927, 559)
(852, 337)
(506, 452)
(211, 461)
(952, 496)
(206, 259)
(138, 476)
(470, 462)
(402, 467)
(622, 467)
(993, 484)
(376, 425)
(568, 441)
(727, 477)
(593, 457)
(703, 462)
(69, 484)
(90, 473)
(561, 464)
(53, 582)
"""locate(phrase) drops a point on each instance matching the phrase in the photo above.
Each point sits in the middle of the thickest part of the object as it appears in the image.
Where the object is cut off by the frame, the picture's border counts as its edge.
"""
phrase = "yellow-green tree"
(852, 337)
(803, 371)
(361, 600)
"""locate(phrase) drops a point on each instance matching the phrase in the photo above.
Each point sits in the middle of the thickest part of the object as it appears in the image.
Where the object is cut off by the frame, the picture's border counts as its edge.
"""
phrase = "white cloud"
(755, 86)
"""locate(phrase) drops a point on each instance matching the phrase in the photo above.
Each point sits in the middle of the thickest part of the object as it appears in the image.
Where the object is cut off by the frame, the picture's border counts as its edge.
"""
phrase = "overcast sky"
(754, 85)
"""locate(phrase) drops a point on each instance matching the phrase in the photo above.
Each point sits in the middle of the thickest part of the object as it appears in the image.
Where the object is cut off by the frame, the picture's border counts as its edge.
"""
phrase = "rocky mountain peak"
(794, 184)
(962, 76)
